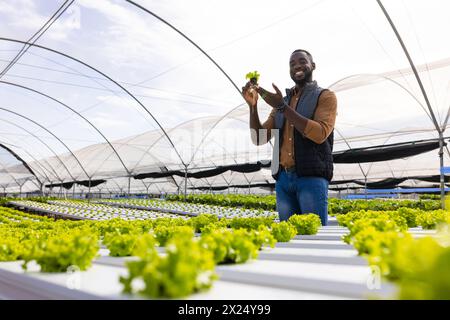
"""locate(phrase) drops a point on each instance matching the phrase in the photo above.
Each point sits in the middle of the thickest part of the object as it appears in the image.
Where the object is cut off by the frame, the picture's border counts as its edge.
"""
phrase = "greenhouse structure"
(117, 114)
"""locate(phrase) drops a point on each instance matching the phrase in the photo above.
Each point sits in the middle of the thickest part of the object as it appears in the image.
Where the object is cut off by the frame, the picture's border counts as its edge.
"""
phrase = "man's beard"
(307, 78)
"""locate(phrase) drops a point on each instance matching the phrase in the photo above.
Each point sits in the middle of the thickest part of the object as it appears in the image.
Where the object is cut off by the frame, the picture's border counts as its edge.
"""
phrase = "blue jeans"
(301, 195)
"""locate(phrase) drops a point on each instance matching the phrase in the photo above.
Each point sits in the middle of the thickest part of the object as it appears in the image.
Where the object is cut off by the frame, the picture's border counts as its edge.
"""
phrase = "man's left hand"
(273, 99)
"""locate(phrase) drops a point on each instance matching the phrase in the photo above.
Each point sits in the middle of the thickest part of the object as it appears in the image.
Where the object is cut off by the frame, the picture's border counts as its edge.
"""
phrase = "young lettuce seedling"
(253, 77)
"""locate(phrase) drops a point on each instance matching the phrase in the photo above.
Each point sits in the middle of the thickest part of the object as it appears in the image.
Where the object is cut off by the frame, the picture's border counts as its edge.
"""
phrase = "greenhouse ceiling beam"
(45, 144)
(49, 165)
(136, 148)
(159, 139)
(53, 135)
(74, 111)
(211, 129)
(199, 48)
(35, 37)
(25, 164)
(10, 174)
(446, 119)
(188, 39)
(107, 77)
(386, 78)
(37, 162)
(411, 63)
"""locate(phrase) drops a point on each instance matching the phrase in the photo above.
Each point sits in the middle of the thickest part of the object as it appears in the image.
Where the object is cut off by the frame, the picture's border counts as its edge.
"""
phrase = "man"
(302, 123)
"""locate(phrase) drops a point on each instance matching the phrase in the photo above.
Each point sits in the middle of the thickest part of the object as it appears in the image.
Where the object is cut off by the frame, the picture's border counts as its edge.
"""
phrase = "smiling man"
(302, 123)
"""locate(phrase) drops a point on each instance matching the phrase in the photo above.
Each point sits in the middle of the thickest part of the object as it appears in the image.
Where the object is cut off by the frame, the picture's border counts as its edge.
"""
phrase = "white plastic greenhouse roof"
(110, 89)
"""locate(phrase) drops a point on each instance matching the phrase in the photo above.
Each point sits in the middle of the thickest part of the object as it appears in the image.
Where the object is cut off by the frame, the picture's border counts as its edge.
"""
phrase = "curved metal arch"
(188, 39)
(348, 145)
(42, 169)
(41, 126)
(203, 138)
(131, 146)
(118, 186)
(330, 86)
(382, 77)
(444, 125)
(158, 139)
(206, 134)
(74, 111)
(21, 185)
(53, 170)
(212, 128)
(6, 171)
(107, 77)
(387, 162)
(15, 155)
(411, 63)
(45, 144)
(37, 162)
(388, 79)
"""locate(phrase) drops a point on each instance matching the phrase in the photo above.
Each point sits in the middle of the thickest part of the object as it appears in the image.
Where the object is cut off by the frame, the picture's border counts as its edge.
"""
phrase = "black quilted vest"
(311, 159)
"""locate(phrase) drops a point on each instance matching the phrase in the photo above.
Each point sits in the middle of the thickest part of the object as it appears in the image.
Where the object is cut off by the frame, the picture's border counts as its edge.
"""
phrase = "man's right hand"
(250, 95)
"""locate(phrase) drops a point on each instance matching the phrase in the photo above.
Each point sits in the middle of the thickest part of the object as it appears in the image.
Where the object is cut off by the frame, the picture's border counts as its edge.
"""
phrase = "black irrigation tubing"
(74, 111)
(62, 142)
(107, 77)
(45, 144)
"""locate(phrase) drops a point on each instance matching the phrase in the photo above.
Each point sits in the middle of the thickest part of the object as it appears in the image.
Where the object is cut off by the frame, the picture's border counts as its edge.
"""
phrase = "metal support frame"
(425, 96)
(53, 135)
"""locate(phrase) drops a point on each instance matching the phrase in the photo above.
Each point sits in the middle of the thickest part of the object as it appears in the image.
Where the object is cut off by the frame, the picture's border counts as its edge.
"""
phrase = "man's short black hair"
(304, 51)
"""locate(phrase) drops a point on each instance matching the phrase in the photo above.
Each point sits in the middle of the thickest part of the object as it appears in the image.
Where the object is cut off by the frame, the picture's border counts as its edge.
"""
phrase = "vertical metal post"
(422, 88)
(185, 182)
(365, 186)
(89, 191)
(129, 185)
(441, 165)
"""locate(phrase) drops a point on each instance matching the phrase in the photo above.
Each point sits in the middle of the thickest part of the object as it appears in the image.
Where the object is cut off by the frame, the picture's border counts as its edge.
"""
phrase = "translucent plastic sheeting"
(109, 91)
(14, 174)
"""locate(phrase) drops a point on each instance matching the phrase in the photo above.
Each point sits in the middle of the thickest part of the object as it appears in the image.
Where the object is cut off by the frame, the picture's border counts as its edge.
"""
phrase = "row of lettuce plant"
(86, 210)
(194, 208)
(336, 206)
(415, 265)
(192, 247)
